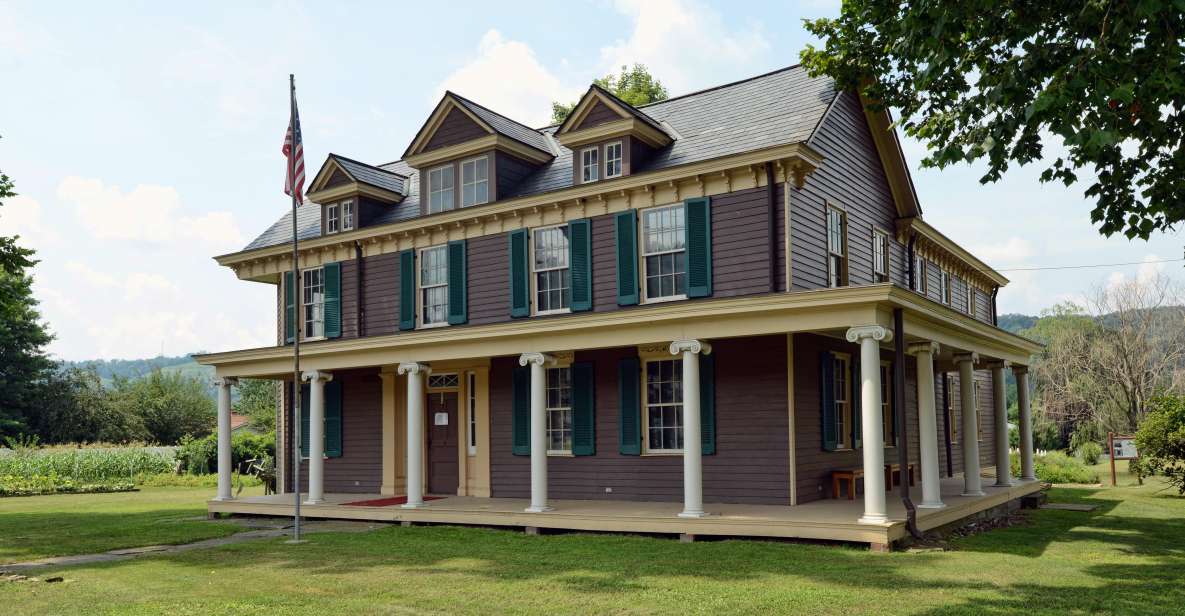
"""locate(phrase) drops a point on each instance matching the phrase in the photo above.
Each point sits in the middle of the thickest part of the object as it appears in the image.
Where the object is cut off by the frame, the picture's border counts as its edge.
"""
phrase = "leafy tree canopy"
(257, 400)
(635, 86)
(1161, 440)
(994, 81)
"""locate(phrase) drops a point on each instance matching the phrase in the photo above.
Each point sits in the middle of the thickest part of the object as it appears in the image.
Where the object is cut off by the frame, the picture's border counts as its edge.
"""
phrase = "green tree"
(635, 86)
(996, 80)
(1160, 440)
(169, 404)
(257, 400)
(76, 408)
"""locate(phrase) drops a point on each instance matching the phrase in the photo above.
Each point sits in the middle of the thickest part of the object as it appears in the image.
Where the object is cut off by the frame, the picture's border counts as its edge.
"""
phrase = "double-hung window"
(559, 410)
(613, 160)
(332, 218)
(944, 289)
(313, 303)
(664, 406)
(880, 255)
(475, 183)
(440, 189)
(434, 286)
(552, 276)
(837, 259)
(347, 215)
(664, 252)
(843, 400)
(590, 165)
(919, 274)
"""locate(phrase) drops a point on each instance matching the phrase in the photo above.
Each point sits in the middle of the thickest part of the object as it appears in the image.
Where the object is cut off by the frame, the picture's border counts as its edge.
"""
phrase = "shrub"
(200, 456)
(1057, 467)
(1161, 440)
(1090, 452)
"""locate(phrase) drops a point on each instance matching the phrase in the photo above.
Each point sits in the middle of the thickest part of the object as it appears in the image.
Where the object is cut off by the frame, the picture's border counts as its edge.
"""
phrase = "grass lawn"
(1125, 557)
(34, 527)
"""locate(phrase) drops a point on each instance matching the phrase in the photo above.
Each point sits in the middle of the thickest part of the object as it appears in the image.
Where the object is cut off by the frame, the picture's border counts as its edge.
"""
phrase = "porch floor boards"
(827, 519)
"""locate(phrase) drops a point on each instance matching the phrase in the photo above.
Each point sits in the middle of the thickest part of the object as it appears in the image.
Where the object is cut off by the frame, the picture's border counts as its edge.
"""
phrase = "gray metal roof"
(375, 176)
(506, 126)
(777, 108)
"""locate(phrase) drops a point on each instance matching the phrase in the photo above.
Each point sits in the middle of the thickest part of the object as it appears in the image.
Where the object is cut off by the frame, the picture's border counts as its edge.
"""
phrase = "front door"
(442, 442)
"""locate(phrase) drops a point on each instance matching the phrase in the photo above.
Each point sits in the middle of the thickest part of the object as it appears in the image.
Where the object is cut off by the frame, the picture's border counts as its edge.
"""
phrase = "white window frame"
(332, 219)
(553, 408)
(535, 271)
(680, 235)
(308, 303)
(969, 294)
(422, 311)
(880, 255)
(476, 182)
(611, 161)
(843, 405)
(452, 199)
(944, 287)
(586, 166)
(837, 247)
(677, 376)
(347, 215)
(471, 409)
(919, 274)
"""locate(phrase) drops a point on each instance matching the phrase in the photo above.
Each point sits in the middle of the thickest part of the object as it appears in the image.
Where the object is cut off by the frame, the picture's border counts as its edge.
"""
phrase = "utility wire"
(1068, 267)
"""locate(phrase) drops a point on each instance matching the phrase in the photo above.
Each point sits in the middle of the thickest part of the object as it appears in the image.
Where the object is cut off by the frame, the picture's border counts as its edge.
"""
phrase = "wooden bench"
(850, 475)
(893, 475)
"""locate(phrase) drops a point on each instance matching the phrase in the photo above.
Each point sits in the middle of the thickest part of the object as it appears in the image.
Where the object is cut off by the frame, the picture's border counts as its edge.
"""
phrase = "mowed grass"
(33, 527)
(1126, 557)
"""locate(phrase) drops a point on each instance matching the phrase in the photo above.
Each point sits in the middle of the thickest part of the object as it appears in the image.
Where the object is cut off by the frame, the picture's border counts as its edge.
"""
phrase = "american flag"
(295, 157)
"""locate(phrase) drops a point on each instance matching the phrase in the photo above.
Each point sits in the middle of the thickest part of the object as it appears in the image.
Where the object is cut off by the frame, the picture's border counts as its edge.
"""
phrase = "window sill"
(560, 454)
(547, 313)
(432, 325)
(660, 300)
(314, 339)
(663, 454)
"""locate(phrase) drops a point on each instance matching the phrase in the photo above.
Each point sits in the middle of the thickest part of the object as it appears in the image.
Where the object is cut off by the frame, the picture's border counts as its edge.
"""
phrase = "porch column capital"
(539, 359)
(690, 345)
(1001, 364)
(875, 332)
(414, 368)
(1019, 369)
(930, 347)
(226, 381)
(971, 357)
(316, 375)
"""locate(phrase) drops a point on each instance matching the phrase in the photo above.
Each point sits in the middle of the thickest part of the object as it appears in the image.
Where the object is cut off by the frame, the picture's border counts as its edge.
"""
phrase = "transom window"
(613, 160)
(837, 259)
(313, 302)
(434, 286)
(887, 403)
(443, 381)
(559, 410)
(332, 218)
(475, 183)
(664, 405)
(664, 252)
(440, 189)
(347, 215)
(589, 164)
(552, 275)
(843, 401)
(880, 255)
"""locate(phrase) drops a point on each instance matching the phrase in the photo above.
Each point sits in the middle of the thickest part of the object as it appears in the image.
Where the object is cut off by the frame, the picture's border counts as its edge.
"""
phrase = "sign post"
(1120, 447)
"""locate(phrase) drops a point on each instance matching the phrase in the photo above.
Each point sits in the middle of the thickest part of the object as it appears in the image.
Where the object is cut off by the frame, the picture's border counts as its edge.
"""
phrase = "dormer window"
(475, 183)
(440, 189)
(347, 215)
(332, 218)
(613, 160)
(589, 165)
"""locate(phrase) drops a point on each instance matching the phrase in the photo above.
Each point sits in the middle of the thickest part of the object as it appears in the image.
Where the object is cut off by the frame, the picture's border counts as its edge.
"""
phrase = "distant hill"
(1016, 322)
(108, 369)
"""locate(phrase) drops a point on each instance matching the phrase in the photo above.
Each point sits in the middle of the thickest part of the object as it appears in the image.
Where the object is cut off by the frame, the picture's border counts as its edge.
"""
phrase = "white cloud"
(148, 213)
(1012, 250)
(684, 44)
(22, 215)
(506, 76)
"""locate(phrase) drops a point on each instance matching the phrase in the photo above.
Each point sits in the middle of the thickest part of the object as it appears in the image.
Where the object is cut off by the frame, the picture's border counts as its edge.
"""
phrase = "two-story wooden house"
(715, 314)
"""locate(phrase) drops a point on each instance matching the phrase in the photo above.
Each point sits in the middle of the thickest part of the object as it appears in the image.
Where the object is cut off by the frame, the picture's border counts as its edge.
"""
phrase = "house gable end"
(456, 127)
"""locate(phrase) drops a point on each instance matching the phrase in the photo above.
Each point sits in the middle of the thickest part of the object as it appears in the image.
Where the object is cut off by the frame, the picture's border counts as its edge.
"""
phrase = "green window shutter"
(625, 226)
(707, 404)
(857, 413)
(827, 396)
(699, 246)
(520, 284)
(457, 279)
(580, 264)
(304, 421)
(521, 411)
(289, 307)
(333, 419)
(629, 397)
(584, 410)
(333, 300)
(407, 289)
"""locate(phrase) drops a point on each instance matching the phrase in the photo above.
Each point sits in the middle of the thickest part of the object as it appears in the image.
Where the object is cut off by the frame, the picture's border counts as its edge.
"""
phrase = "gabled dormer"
(352, 194)
(468, 155)
(609, 138)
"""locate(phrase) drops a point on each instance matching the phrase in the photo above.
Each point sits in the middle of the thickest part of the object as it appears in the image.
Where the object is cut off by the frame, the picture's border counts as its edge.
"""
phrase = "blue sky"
(144, 138)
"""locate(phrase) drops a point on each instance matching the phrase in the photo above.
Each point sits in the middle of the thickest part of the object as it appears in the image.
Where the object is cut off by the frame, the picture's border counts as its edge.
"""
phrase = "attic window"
(613, 160)
(440, 189)
(475, 183)
(347, 215)
(589, 165)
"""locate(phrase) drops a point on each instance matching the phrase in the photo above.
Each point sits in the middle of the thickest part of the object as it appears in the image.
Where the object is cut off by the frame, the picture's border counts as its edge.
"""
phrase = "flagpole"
(296, 283)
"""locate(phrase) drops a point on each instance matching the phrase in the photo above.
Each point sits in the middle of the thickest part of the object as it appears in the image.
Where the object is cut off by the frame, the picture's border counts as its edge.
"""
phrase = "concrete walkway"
(261, 529)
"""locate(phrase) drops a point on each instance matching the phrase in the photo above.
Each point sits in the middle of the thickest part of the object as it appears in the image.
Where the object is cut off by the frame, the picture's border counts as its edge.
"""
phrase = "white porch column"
(928, 426)
(1026, 423)
(415, 431)
(317, 381)
(870, 337)
(538, 363)
(693, 469)
(970, 425)
(1000, 402)
(224, 459)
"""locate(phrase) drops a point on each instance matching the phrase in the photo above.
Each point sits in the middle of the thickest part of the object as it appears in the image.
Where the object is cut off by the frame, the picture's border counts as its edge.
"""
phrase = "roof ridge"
(353, 160)
(500, 115)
